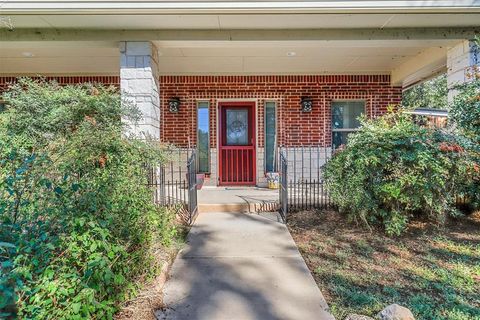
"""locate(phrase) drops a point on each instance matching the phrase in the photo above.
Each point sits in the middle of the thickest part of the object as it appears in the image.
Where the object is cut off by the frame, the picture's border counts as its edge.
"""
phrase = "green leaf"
(7, 245)
(76, 307)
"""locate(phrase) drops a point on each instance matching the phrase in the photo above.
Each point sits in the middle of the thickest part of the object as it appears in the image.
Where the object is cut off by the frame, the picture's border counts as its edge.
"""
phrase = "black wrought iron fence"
(302, 178)
(174, 183)
(283, 187)
(192, 187)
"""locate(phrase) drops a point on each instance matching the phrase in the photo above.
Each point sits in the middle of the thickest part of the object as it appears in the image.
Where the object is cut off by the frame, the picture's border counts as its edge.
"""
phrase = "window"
(270, 136)
(345, 116)
(237, 127)
(203, 137)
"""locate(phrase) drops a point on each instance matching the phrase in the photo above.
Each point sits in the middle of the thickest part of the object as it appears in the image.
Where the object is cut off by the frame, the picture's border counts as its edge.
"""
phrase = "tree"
(429, 94)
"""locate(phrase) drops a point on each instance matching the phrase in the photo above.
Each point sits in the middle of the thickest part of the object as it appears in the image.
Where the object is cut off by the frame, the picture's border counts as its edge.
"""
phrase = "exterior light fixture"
(27, 54)
(174, 104)
(306, 104)
(291, 54)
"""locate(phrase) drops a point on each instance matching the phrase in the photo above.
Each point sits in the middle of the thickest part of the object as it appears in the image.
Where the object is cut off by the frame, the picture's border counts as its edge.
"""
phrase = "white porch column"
(461, 62)
(139, 84)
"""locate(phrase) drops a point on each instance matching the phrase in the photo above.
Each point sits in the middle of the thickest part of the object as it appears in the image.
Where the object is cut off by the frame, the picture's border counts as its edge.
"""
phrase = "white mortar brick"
(460, 60)
(139, 84)
(313, 159)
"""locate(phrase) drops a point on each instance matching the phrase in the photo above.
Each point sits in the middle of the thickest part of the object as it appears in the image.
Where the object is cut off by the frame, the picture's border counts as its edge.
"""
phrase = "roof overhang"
(50, 34)
(209, 7)
(407, 39)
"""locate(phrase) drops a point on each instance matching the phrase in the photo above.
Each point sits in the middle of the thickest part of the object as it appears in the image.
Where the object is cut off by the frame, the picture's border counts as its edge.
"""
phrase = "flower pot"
(273, 180)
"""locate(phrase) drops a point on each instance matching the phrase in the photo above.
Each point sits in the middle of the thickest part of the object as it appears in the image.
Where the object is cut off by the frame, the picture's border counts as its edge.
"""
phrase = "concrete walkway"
(241, 266)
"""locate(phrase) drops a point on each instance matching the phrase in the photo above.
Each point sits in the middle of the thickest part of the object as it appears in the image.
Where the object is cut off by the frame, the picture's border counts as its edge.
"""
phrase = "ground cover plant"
(393, 169)
(433, 271)
(77, 224)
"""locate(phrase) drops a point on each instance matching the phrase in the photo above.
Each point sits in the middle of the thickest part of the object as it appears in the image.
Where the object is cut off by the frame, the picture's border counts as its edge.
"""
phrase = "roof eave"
(25, 7)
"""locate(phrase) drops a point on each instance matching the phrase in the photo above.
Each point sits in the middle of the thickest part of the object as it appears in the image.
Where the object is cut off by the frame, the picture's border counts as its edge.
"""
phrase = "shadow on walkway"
(240, 266)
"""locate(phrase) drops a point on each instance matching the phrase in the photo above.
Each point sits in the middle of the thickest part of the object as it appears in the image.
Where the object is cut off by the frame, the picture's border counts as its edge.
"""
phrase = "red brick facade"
(295, 127)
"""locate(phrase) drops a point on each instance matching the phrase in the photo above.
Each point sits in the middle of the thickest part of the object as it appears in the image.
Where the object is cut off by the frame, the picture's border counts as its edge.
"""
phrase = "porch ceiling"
(219, 57)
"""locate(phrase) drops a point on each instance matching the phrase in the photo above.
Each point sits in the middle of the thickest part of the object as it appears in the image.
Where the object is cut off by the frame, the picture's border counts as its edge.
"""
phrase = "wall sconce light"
(174, 104)
(307, 104)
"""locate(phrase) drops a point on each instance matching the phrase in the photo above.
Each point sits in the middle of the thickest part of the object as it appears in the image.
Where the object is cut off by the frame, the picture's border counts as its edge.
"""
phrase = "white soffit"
(311, 57)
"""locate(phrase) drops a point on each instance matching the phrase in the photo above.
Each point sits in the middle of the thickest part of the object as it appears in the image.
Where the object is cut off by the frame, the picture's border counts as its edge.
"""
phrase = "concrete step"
(255, 207)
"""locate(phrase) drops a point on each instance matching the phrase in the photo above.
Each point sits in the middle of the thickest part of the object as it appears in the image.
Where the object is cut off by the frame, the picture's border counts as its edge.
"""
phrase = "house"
(237, 80)
(430, 117)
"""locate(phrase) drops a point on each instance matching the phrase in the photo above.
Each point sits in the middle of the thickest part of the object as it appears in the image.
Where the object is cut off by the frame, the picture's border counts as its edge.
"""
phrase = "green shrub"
(432, 93)
(392, 169)
(465, 109)
(465, 115)
(77, 222)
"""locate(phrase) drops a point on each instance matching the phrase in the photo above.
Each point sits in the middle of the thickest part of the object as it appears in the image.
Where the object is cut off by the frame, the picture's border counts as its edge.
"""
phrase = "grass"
(434, 271)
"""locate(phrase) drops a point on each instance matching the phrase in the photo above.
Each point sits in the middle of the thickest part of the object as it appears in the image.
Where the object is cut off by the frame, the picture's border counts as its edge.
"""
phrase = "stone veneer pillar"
(139, 85)
(461, 62)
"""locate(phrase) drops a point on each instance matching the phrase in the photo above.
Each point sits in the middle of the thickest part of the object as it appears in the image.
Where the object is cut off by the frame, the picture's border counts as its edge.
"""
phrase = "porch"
(299, 186)
(301, 93)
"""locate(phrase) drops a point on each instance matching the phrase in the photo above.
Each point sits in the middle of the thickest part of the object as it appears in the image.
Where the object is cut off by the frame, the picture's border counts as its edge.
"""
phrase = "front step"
(255, 207)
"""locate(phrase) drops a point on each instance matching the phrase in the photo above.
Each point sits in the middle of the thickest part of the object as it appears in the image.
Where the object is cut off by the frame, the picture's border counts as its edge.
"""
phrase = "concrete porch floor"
(237, 199)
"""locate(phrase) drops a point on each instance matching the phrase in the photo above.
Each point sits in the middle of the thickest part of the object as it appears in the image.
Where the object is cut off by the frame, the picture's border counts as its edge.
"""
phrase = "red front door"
(237, 143)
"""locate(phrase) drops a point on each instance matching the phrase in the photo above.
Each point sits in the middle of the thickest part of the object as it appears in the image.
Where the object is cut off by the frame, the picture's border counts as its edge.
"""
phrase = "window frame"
(198, 103)
(275, 149)
(348, 130)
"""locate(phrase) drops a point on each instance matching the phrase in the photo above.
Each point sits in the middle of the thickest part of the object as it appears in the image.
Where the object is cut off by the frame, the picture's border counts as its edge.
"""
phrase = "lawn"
(434, 271)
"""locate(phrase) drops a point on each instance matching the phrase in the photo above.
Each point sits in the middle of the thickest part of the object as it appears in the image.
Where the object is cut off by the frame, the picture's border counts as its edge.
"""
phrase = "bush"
(392, 169)
(429, 94)
(78, 226)
(465, 115)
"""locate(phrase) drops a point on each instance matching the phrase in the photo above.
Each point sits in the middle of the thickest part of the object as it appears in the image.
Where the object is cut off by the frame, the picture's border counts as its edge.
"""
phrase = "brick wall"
(295, 127)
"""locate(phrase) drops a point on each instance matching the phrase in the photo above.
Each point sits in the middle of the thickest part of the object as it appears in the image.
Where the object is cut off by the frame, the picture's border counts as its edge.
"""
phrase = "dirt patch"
(150, 297)
(433, 270)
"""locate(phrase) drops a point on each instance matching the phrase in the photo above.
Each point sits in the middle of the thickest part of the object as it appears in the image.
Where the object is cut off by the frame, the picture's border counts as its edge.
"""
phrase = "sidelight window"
(270, 136)
(203, 137)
